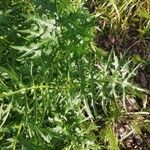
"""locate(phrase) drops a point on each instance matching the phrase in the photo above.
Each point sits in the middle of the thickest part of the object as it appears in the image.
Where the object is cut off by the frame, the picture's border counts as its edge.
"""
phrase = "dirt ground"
(138, 49)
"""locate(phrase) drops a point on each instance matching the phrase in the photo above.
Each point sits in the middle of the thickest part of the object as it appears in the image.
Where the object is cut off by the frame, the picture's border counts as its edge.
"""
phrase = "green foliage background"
(57, 89)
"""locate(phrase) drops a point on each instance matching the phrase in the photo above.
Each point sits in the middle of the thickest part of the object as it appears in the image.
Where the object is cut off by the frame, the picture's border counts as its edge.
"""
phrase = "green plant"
(58, 85)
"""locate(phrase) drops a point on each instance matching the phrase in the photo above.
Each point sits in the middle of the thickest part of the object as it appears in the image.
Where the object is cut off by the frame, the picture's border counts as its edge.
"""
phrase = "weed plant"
(57, 89)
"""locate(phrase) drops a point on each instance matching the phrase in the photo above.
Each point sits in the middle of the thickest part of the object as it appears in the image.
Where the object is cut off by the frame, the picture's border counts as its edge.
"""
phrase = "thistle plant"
(59, 85)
